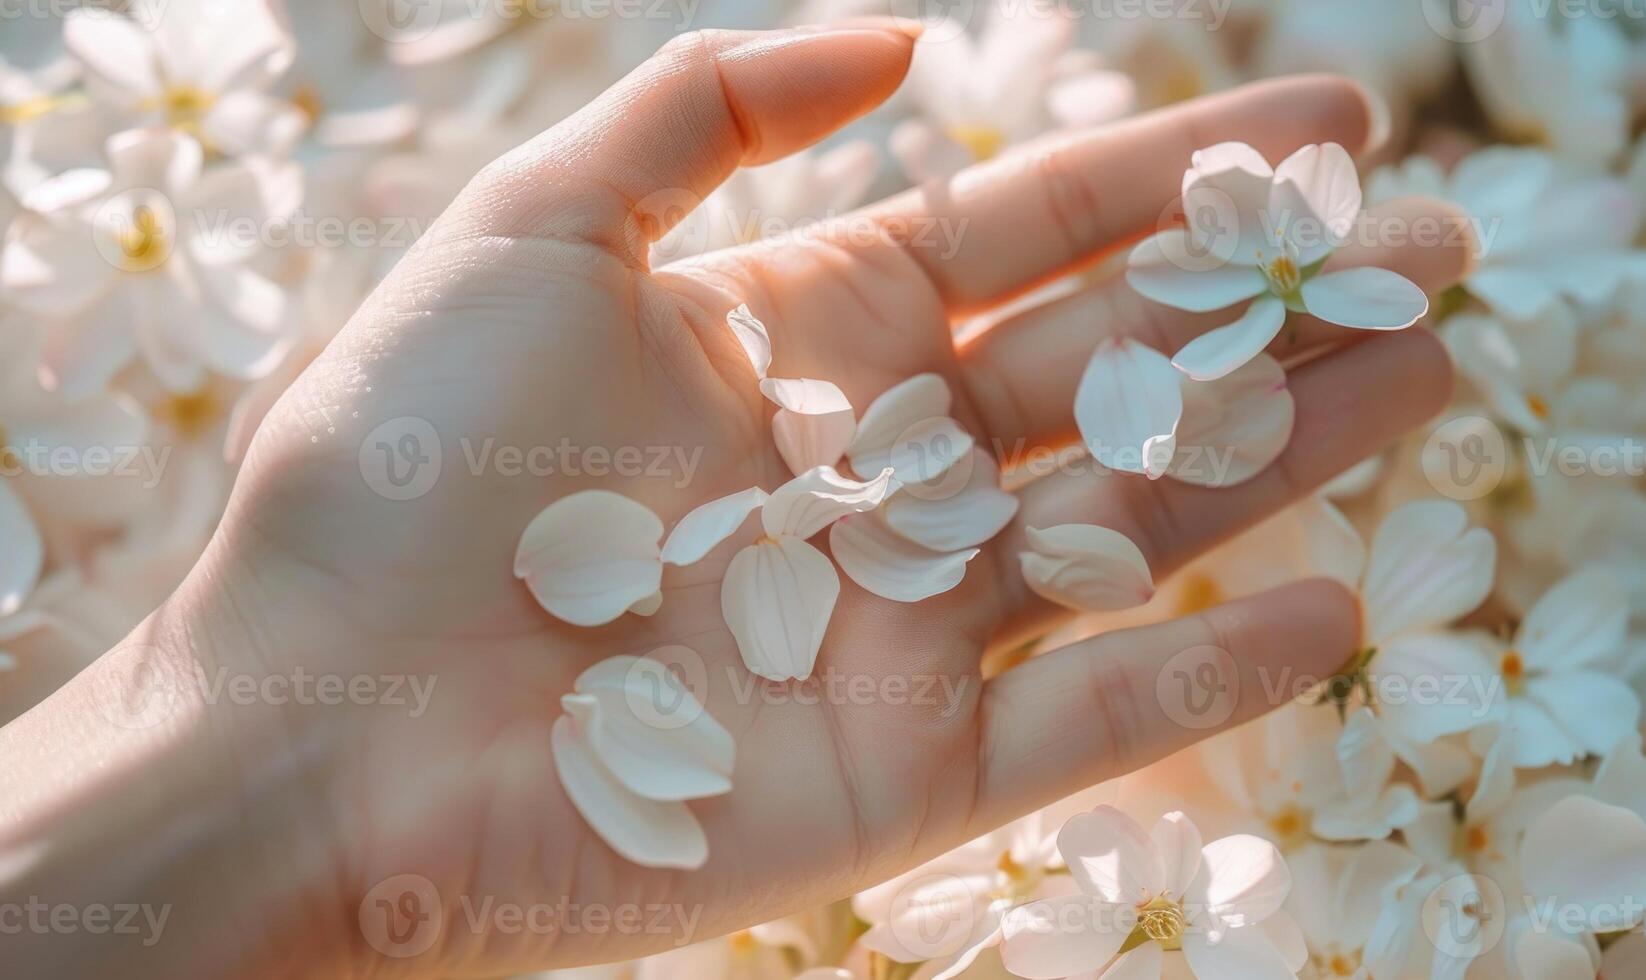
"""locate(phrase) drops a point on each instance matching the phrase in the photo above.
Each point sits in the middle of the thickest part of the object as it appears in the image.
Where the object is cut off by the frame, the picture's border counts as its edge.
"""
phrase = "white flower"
(1137, 414)
(1557, 80)
(1262, 234)
(633, 745)
(153, 258)
(1016, 78)
(592, 556)
(947, 911)
(1344, 901)
(202, 67)
(1144, 896)
(1544, 233)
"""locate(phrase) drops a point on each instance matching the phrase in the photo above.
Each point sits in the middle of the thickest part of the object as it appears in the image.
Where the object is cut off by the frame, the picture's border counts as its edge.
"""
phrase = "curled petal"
(892, 567)
(973, 514)
(817, 498)
(752, 336)
(1128, 407)
(1366, 298)
(588, 557)
(1084, 566)
(1166, 268)
(777, 598)
(1234, 427)
(814, 422)
(1321, 180)
(700, 531)
(650, 731)
(653, 833)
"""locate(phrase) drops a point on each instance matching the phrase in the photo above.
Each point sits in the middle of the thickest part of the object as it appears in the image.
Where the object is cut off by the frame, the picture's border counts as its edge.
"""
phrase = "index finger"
(1014, 222)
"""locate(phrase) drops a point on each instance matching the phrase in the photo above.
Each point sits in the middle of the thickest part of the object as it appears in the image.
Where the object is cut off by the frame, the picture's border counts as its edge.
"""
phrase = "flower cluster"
(195, 195)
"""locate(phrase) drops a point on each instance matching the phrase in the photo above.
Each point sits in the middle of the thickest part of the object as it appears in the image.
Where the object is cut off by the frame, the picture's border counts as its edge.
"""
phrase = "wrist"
(155, 824)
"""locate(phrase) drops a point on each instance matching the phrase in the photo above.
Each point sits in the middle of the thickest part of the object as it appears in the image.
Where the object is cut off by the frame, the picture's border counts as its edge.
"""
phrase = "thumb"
(626, 168)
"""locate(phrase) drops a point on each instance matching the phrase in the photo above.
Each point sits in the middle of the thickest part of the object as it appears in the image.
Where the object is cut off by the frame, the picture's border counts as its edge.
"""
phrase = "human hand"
(530, 316)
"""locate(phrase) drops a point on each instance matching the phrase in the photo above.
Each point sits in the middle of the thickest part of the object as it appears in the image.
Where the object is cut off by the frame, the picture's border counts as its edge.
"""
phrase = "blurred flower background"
(195, 195)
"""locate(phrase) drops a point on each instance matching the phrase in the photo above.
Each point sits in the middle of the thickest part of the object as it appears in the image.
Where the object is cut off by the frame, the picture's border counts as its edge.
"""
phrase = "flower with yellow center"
(1261, 235)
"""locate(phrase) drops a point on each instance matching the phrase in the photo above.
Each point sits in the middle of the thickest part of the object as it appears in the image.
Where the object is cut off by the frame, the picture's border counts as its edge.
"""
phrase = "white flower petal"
(1112, 857)
(1325, 181)
(1225, 203)
(1177, 840)
(1423, 661)
(777, 598)
(114, 48)
(753, 337)
(1059, 937)
(1128, 407)
(1222, 351)
(1594, 709)
(1366, 298)
(649, 605)
(817, 498)
(1583, 619)
(1588, 853)
(653, 833)
(888, 418)
(1246, 881)
(23, 554)
(81, 355)
(1427, 567)
(1084, 566)
(926, 451)
(650, 731)
(967, 518)
(814, 422)
(702, 530)
(588, 557)
(1166, 268)
(1234, 427)
(1238, 954)
(892, 567)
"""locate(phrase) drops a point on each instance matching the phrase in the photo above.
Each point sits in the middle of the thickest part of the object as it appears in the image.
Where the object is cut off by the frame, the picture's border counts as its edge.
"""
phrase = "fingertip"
(1342, 110)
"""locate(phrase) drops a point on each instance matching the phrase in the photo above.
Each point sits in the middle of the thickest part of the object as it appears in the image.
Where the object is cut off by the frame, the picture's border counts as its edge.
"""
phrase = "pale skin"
(530, 315)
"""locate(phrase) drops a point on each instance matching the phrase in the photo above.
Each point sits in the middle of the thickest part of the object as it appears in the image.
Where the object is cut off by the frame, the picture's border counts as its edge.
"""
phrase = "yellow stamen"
(192, 415)
(982, 142)
(1514, 671)
(143, 245)
(1539, 407)
(1162, 921)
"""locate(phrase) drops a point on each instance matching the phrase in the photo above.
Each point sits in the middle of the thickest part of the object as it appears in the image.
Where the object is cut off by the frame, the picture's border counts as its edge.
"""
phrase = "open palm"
(529, 317)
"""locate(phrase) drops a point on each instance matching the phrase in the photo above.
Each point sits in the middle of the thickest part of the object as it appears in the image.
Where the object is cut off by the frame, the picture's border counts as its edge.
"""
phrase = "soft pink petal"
(1084, 566)
(1239, 954)
(1588, 853)
(892, 567)
(1245, 880)
(650, 730)
(1178, 842)
(700, 531)
(1321, 178)
(589, 556)
(1222, 351)
(653, 833)
(1225, 203)
(1427, 567)
(114, 48)
(1111, 857)
(1128, 407)
(777, 598)
(1056, 937)
(1234, 427)
(888, 419)
(1366, 298)
(81, 355)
